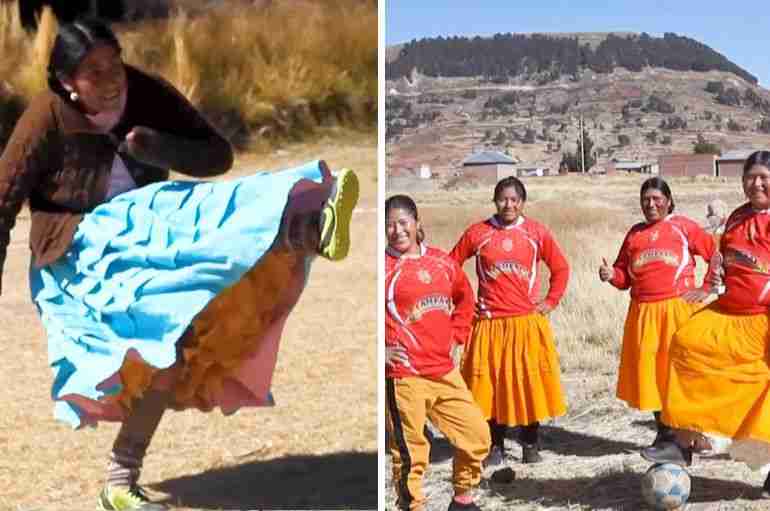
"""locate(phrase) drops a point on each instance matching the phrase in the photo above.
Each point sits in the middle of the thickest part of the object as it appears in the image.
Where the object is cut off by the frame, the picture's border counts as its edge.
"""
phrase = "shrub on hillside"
(730, 97)
(703, 146)
(715, 87)
(733, 125)
(673, 123)
(658, 104)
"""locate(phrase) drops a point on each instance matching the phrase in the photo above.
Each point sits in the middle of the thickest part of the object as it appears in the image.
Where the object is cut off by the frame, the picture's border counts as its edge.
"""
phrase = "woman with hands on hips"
(511, 365)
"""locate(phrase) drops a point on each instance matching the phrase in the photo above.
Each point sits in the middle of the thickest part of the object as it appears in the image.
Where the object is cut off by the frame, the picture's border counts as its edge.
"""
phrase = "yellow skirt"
(644, 360)
(719, 376)
(512, 369)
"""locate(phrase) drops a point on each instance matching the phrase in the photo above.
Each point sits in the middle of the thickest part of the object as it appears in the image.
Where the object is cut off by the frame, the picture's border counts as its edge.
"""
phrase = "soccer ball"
(666, 486)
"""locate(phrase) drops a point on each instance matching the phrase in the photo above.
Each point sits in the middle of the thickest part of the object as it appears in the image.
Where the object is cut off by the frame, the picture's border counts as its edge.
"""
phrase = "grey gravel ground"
(591, 461)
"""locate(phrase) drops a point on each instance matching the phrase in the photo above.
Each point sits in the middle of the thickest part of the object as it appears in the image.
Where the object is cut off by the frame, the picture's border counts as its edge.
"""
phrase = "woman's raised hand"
(605, 271)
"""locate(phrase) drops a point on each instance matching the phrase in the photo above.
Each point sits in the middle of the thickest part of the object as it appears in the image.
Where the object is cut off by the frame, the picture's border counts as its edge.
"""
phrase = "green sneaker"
(116, 498)
(335, 217)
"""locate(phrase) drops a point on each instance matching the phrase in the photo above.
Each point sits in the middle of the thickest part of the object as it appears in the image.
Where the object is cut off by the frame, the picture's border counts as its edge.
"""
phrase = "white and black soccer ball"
(666, 486)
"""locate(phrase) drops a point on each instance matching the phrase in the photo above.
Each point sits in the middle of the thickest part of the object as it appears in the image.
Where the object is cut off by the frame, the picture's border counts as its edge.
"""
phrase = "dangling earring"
(74, 96)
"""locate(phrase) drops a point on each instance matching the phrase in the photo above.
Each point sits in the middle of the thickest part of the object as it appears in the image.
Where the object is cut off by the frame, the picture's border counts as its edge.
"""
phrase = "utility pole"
(582, 146)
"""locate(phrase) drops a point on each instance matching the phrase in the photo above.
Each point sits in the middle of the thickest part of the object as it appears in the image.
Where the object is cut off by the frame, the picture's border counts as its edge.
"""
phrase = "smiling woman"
(511, 364)
(719, 357)
(155, 294)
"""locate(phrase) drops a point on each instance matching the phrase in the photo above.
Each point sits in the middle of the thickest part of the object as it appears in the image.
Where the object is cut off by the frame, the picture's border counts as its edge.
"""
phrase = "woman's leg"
(663, 431)
(128, 451)
(325, 231)
(405, 400)
(458, 417)
(528, 437)
(497, 449)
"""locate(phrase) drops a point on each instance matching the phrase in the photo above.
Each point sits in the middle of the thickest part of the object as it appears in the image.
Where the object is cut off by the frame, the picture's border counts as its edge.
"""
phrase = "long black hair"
(407, 204)
(72, 44)
(757, 158)
(658, 183)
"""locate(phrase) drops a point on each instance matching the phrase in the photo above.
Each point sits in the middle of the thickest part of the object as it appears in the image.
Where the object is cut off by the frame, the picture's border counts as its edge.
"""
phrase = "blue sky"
(740, 30)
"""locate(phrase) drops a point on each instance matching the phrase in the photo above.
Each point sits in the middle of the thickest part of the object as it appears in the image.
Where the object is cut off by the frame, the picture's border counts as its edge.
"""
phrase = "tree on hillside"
(703, 146)
(574, 162)
(715, 87)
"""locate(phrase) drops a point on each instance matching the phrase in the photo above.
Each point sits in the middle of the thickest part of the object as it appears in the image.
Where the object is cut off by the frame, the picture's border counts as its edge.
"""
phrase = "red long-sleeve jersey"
(429, 305)
(657, 261)
(745, 248)
(507, 260)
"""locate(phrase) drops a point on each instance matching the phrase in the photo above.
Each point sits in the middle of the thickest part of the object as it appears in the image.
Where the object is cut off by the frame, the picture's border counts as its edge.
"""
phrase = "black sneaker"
(530, 454)
(664, 434)
(457, 506)
(668, 452)
(117, 498)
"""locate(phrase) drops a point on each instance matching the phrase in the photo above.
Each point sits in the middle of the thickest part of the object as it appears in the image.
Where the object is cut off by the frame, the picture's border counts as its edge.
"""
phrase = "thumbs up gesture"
(605, 271)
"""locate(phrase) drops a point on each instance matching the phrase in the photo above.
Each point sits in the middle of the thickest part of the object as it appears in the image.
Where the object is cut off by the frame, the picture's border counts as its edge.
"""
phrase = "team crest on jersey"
(508, 267)
(654, 236)
(507, 244)
(424, 276)
(430, 303)
(655, 254)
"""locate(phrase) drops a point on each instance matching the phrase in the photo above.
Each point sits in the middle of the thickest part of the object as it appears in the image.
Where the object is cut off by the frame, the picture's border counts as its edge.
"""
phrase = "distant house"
(687, 165)
(488, 166)
(641, 167)
(532, 171)
(731, 163)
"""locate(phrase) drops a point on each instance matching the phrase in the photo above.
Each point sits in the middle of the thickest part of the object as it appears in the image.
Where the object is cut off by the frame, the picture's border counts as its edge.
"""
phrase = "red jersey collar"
(495, 223)
(399, 255)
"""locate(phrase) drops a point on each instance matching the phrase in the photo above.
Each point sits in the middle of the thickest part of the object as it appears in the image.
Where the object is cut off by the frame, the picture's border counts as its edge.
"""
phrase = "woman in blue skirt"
(155, 294)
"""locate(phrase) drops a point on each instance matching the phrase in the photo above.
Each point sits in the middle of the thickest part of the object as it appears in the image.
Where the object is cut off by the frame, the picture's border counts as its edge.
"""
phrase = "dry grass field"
(591, 459)
(282, 69)
(316, 449)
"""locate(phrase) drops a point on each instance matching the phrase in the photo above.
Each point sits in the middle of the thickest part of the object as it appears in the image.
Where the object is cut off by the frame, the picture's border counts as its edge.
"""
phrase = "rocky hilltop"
(638, 96)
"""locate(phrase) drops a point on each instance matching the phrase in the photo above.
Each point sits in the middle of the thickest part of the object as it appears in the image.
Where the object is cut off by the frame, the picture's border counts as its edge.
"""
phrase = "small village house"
(687, 165)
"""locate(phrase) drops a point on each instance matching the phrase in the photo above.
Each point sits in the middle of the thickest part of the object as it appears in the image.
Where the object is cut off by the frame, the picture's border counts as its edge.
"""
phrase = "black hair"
(658, 183)
(407, 204)
(72, 44)
(508, 182)
(757, 158)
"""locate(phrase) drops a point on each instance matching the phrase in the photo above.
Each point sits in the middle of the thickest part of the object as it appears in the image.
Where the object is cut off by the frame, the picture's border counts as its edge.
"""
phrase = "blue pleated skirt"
(144, 264)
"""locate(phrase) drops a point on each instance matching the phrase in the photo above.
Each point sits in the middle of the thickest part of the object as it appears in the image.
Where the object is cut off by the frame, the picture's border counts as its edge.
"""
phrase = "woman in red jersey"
(657, 262)
(429, 310)
(511, 365)
(719, 375)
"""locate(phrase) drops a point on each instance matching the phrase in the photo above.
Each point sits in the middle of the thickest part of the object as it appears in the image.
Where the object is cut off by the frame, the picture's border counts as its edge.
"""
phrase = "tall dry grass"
(263, 73)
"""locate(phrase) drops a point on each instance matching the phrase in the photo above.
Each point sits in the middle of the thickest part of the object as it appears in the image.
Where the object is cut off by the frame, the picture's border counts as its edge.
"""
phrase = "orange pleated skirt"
(644, 359)
(512, 369)
(719, 376)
